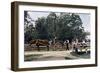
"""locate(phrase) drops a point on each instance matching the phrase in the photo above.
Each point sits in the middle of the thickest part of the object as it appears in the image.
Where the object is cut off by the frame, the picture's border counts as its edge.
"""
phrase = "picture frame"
(39, 10)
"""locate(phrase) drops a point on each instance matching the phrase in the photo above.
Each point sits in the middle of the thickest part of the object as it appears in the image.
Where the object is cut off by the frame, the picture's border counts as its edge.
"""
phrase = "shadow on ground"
(80, 55)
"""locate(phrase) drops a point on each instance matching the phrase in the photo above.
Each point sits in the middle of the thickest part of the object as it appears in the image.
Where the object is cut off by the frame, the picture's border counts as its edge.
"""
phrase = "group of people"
(79, 46)
(74, 45)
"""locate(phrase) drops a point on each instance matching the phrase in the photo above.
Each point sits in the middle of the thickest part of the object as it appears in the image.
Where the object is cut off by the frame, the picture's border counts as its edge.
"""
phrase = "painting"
(56, 35)
(51, 36)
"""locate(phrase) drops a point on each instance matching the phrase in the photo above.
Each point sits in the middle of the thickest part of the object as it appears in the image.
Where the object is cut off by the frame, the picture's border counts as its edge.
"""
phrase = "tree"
(28, 28)
(28, 34)
(41, 28)
(61, 26)
(51, 22)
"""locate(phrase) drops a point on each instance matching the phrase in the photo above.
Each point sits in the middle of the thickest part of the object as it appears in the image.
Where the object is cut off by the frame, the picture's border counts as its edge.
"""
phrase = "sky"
(85, 17)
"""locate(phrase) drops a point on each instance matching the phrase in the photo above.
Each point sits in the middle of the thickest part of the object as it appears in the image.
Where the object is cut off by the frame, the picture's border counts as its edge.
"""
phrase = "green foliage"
(60, 25)
(41, 28)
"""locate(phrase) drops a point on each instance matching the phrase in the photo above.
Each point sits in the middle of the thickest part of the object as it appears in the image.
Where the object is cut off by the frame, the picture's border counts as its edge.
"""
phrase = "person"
(67, 44)
(50, 42)
(75, 47)
(83, 43)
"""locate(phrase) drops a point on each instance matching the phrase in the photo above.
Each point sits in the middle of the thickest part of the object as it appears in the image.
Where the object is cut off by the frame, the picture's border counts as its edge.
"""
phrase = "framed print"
(52, 36)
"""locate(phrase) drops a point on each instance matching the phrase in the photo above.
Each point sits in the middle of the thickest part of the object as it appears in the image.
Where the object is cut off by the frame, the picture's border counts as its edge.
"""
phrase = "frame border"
(15, 36)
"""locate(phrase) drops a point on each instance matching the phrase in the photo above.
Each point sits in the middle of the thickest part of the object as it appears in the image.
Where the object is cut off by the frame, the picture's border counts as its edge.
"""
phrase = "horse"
(39, 43)
(32, 42)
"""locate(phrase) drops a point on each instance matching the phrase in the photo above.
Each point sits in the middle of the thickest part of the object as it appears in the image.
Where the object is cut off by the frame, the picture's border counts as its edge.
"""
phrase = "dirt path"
(51, 55)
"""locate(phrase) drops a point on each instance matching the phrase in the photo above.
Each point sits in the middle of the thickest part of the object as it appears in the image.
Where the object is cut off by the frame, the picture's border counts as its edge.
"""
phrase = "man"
(75, 46)
(67, 44)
